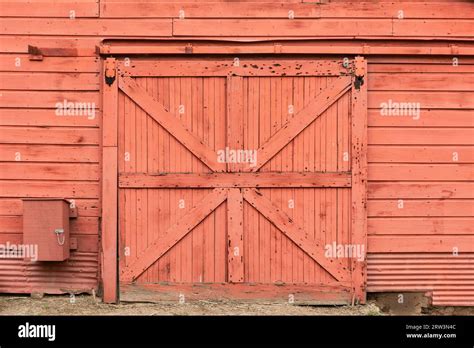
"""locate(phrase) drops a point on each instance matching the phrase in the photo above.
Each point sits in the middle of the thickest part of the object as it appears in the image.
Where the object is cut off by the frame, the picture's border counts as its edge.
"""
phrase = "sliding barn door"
(247, 173)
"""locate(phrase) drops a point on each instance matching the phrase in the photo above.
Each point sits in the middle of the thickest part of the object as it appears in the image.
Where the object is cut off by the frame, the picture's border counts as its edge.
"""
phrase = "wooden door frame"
(109, 178)
(109, 181)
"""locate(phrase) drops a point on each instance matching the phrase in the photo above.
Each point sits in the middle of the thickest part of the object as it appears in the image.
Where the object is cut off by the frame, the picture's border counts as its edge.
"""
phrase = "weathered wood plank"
(225, 67)
(47, 117)
(419, 61)
(413, 208)
(299, 121)
(169, 122)
(235, 119)
(51, 9)
(425, 136)
(421, 172)
(420, 226)
(51, 46)
(420, 82)
(319, 45)
(325, 27)
(398, 190)
(85, 103)
(235, 232)
(49, 135)
(86, 27)
(434, 27)
(210, 180)
(109, 224)
(313, 247)
(420, 154)
(408, 244)
(109, 227)
(303, 294)
(174, 234)
(426, 118)
(413, 67)
(49, 153)
(40, 171)
(22, 63)
(281, 27)
(145, 9)
(427, 100)
(49, 81)
(48, 189)
(391, 9)
(265, 9)
(359, 171)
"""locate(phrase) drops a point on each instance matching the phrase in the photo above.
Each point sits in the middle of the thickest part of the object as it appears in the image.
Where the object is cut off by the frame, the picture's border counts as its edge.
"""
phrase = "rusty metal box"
(46, 226)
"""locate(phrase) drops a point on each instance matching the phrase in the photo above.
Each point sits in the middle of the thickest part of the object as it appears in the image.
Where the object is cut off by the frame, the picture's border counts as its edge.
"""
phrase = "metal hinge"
(35, 53)
(359, 71)
(109, 71)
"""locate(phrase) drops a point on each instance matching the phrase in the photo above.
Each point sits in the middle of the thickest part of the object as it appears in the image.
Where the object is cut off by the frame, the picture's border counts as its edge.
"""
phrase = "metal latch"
(109, 71)
(60, 232)
(359, 71)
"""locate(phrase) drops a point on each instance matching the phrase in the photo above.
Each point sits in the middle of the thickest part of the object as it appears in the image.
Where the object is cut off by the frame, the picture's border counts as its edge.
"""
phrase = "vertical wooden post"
(235, 239)
(109, 182)
(359, 175)
(235, 141)
(235, 125)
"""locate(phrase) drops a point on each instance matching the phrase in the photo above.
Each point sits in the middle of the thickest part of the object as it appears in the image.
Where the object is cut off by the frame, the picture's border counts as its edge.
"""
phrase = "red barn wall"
(410, 248)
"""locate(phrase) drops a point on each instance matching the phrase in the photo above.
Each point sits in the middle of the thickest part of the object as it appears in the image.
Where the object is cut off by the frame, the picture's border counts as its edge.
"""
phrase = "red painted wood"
(235, 243)
(413, 60)
(197, 110)
(174, 234)
(209, 180)
(193, 293)
(161, 115)
(359, 179)
(109, 185)
(300, 121)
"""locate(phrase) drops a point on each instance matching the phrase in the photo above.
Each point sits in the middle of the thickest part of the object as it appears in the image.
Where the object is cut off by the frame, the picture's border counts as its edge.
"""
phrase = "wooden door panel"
(325, 144)
(288, 107)
(148, 240)
(311, 244)
(187, 217)
(184, 121)
(194, 259)
(272, 257)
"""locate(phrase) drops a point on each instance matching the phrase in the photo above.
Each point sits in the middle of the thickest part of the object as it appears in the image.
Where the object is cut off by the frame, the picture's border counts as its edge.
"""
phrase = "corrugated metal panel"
(450, 278)
(78, 274)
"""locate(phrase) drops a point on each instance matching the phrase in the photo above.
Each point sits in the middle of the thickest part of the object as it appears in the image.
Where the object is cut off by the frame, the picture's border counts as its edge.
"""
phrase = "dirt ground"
(86, 305)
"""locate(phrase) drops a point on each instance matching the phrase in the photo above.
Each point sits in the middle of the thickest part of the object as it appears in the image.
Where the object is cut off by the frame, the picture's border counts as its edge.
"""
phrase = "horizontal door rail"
(240, 180)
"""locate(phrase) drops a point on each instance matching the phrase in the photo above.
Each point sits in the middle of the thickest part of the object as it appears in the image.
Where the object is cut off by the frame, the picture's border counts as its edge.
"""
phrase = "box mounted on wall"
(46, 225)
